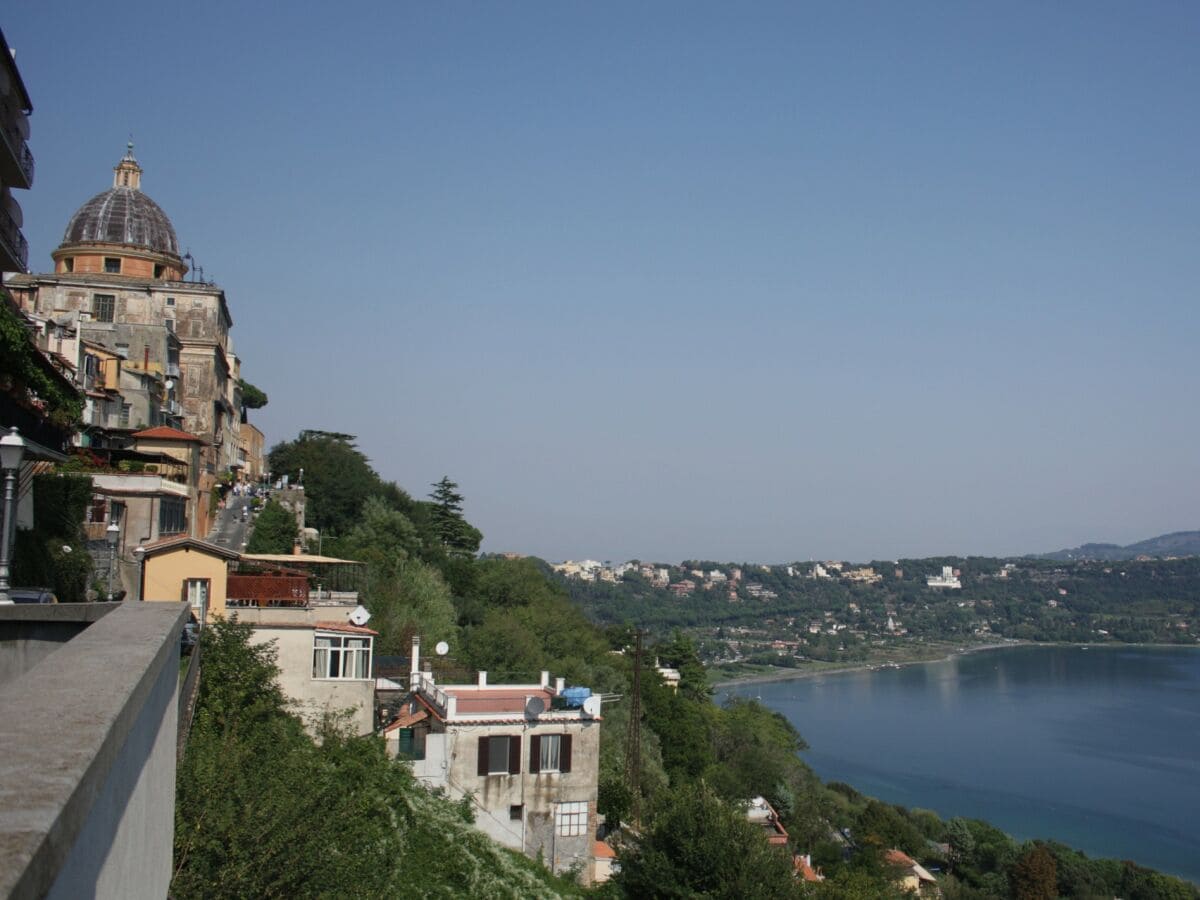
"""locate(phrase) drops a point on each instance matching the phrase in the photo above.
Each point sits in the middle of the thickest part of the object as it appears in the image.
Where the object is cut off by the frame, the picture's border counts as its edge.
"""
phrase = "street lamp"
(140, 552)
(12, 451)
(112, 534)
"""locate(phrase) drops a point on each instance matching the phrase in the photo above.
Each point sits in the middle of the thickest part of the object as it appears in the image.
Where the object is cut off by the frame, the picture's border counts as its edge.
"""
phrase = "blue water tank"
(573, 697)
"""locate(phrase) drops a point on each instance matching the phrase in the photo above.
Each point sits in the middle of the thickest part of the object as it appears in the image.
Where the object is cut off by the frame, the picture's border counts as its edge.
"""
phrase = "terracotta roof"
(344, 627)
(899, 858)
(406, 720)
(497, 700)
(601, 850)
(300, 558)
(166, 433)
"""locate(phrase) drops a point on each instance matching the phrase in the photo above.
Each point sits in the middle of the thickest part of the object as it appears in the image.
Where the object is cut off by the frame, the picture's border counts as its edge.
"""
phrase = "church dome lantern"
(121, 231)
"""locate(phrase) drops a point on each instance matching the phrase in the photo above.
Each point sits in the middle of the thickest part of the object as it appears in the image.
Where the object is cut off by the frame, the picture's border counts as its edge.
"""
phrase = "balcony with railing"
(16, 159)
(15, 248)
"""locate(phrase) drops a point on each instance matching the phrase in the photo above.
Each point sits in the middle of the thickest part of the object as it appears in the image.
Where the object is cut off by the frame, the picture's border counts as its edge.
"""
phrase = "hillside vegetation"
(266, 812)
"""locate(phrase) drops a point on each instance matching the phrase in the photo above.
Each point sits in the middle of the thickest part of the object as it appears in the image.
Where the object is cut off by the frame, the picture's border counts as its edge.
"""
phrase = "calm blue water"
(1097, 748)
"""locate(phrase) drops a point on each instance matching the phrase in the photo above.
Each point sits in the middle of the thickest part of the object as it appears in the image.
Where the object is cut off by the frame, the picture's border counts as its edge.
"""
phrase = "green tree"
(275, 530)
(699, 845)
(1035, 875)
(458, 537)
(252, 397)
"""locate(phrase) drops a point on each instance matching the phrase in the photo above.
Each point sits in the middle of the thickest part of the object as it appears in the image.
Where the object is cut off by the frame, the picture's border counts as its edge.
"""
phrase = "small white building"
(528, 755)
(946, 580)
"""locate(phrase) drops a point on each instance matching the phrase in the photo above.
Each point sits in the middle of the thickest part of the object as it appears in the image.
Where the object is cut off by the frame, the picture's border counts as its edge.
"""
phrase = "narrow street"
(233, 524)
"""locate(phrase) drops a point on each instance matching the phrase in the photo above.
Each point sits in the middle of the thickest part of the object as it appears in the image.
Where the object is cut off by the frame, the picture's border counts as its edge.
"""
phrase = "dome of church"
(123, 215)
(121, 231)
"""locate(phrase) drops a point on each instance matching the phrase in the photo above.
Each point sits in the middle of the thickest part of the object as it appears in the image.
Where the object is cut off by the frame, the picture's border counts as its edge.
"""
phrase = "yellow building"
(188, 569)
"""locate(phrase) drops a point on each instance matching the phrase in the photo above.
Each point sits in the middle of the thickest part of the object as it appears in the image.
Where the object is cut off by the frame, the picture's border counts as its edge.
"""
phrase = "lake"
(1098, 748)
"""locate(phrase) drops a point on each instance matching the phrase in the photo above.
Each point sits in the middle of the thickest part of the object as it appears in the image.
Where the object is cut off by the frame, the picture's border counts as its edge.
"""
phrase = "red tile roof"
(498, 700)
(407, 720)
(601, 850)
(166, 433)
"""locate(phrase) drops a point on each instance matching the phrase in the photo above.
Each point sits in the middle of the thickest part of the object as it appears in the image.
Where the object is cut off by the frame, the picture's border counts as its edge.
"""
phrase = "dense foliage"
(54, 552)
(275, 530)
(264, 811)
(699, 762)
(25, 375)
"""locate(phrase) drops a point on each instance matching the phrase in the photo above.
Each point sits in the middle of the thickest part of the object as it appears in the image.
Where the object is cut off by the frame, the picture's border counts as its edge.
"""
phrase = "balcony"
(14, 249)
(16, 160)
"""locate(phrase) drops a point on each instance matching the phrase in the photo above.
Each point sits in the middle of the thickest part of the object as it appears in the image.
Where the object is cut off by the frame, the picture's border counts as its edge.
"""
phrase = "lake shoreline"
(796, 674)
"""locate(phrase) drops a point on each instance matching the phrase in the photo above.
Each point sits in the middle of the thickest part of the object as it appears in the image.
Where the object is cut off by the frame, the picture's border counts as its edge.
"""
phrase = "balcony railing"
(18, 149)
(14, 241)
(267, 590)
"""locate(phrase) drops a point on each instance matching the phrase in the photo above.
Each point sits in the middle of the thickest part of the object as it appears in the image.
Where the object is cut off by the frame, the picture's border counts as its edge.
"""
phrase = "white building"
(946, 580)
(528, 755)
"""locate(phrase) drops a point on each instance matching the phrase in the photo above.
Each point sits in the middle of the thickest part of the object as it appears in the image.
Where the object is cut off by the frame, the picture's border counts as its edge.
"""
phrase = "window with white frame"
(341, 656)
(196, 590)
(571, 819)
(551, 747)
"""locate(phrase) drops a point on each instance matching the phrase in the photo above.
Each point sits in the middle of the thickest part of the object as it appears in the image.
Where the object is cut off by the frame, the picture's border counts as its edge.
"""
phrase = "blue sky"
(683, 280)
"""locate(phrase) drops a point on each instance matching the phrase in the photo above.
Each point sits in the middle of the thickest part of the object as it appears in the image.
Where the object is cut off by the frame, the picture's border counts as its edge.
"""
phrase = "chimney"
(559, 684)
(545, 679)
(483, 679)
(414, 676)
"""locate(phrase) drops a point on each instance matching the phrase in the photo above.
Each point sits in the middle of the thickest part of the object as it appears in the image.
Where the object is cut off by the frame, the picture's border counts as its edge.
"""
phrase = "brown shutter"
(483, 756)
(535, 754)
(564, 754)
(514, 755)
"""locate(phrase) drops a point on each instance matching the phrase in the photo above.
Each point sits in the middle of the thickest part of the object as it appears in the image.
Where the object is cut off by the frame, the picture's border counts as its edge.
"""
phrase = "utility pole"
(633, 742)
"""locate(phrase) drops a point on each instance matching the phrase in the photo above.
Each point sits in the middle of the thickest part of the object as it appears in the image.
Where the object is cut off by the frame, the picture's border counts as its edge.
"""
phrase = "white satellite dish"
(360, 616)
(442, 648)
(591, 706)
(534, 707)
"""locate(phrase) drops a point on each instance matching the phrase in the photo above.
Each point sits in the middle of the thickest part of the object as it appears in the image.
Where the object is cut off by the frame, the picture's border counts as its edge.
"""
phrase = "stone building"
(119, 284)
(528, 756)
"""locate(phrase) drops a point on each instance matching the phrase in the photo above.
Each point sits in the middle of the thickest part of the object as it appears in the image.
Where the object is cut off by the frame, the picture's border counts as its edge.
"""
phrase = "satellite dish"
(442, 648)
(360, 616)
(534, 707)
(591, 706)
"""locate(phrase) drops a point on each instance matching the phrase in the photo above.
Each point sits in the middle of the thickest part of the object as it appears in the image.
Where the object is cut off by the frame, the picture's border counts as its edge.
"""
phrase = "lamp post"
(12, 451)
(112, 534)
(140, 552)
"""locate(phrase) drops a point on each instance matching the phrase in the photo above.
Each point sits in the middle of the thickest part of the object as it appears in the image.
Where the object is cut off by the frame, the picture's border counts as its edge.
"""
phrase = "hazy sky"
(665, 280)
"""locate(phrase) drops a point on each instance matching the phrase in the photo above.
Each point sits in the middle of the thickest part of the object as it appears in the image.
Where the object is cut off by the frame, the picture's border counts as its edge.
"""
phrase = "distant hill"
(1178, 543)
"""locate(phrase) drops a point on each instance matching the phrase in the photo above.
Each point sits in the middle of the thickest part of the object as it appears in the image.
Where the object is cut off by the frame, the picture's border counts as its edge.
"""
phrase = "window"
(116, 511)
(112, 265)
(122, 350)
(514, 812)
(550, 753)
(170, 301)
(341, 656)
(196, 594)
(571, 819)
(104, 307)
(123, 419)
(158, 270)
(499, 754)
(172, 515)
(69, 264)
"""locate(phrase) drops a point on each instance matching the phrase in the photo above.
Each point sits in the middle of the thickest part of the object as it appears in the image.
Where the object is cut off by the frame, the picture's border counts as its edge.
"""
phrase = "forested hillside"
(679, 825)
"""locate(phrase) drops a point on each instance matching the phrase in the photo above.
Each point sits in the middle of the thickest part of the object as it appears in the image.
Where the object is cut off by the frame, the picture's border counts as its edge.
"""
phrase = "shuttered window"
(499, 754)
(550, 753)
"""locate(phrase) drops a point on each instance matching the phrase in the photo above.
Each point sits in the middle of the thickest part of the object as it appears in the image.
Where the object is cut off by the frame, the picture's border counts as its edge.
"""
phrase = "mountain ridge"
(1176, 543)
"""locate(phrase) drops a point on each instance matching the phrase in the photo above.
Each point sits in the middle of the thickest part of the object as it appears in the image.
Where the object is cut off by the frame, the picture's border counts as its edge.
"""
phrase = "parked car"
(32, 595)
